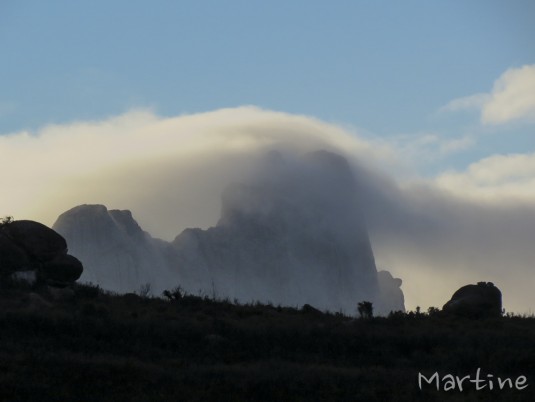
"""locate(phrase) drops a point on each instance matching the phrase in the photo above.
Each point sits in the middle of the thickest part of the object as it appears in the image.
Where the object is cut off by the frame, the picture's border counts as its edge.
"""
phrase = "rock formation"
(117, 253)
(291, 235)
(391, 294)
(30, 250)
(475, 301)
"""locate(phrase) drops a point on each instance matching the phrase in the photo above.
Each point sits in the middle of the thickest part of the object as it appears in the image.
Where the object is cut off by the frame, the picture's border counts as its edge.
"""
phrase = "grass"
(99, 346)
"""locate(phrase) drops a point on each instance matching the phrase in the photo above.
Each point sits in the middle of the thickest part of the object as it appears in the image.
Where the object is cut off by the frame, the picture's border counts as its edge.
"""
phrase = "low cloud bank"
(436, 235)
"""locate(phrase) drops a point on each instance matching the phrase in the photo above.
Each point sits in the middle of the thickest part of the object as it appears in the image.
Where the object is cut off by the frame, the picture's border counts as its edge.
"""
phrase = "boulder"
(475, 301)
(12, 257)
(30, 250)
(63, 269)
(37, 240)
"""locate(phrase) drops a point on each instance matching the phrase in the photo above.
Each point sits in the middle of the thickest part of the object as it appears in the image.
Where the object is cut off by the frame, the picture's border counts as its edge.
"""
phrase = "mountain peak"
(292, 233)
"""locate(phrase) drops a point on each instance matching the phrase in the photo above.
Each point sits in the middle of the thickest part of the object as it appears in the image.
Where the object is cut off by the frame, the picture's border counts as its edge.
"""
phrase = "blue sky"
(118, 103)
(385, 68)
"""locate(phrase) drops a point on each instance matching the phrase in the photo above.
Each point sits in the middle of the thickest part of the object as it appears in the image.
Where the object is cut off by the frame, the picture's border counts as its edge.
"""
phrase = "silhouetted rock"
(116, 253)
(30, 250)
(12, 257)
(63, 269)
(475, 301)
(392, 298)
(37, 240)
(293, 234)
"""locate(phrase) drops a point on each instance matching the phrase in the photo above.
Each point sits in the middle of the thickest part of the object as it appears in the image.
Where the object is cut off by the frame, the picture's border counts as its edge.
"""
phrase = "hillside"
(94, 346)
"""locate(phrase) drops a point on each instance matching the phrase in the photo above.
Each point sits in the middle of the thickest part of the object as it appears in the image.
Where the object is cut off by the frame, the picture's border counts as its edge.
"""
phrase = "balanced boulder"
(63, 269)
(38, 241)
(31, 247)
(475, 301)
(12, 257)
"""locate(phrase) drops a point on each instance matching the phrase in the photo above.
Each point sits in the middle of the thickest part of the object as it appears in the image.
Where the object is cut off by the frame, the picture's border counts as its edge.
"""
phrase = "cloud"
(498, 177)
(512, 98)
(472, 102)
(130, 160)
(426, 148)
(437, 234)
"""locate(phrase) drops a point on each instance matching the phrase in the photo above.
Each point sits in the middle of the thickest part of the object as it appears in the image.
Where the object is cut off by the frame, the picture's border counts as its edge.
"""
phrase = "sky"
(436, 99)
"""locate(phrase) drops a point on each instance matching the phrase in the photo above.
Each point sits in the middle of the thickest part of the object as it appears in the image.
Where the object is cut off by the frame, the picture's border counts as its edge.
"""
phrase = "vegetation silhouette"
(365, 309)
(108, 347)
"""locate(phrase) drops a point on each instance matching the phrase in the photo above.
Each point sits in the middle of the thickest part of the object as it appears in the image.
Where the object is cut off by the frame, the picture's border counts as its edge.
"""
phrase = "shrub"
(6, 220)
(174, 294)
(145, 291)
(365, 309)
(88, 290)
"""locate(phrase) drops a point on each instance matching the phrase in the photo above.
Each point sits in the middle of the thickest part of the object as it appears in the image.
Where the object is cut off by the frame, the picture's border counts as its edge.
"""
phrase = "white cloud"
(512, 98)
(475, 102)
(495, 177)
(456, 144)
(171, 171)
(123, 160)
(427, 147)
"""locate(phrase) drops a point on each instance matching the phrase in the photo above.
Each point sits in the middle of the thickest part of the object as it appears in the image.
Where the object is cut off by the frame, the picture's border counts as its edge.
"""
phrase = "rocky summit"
(117, 253)
(292, 234)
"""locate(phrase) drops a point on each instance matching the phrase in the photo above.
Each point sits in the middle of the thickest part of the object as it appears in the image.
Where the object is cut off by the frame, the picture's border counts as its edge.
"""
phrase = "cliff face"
(291, 235)
(119, 255)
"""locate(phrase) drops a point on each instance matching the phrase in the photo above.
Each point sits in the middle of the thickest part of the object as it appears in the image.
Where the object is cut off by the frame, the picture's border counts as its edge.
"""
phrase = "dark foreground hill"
(93, 346)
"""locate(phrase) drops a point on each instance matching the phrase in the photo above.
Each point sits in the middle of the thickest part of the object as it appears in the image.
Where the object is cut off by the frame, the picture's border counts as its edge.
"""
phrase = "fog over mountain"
(437, 234)
(117, 254)
(291, 234)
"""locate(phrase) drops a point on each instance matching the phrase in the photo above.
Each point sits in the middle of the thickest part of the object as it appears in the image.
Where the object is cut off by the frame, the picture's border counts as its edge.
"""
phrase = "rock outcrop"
(30, 250)
(475, 301)
(392, 298)
(291, 235)
(117, 254)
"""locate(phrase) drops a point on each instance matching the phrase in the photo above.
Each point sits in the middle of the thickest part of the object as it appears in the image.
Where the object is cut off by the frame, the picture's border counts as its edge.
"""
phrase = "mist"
(171, 173)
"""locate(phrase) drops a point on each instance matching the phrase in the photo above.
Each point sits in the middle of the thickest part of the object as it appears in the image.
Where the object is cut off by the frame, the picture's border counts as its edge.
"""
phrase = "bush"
(365, 309)
(6, 220)
(174, 294)
(145, 291)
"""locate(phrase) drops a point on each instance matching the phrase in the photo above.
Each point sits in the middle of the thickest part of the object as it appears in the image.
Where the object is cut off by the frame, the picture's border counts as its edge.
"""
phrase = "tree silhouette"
(365, 309)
